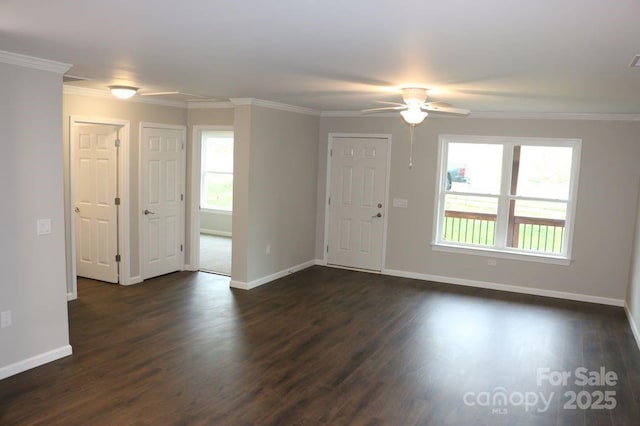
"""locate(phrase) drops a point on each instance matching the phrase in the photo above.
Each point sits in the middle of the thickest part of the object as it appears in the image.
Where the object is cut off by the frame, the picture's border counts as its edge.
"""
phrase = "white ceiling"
(555, 56)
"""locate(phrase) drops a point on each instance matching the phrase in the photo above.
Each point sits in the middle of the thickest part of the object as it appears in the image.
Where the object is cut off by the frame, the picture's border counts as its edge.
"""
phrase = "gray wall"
(605, 216)
(215, 223)
(633, 293)
(33, 283)
(275, 170)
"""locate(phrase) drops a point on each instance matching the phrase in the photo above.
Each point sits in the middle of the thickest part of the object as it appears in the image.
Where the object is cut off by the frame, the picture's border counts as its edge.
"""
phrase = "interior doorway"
(213, 151)
(98, 201)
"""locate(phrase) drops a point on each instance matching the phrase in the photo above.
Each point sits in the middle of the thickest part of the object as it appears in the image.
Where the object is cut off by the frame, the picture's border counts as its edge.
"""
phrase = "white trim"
(194, 191)
(502, 115)
(554, 116)
(209, 105)
(320, 262)
(500, 254)
(68, 89)
(215, 232)
(134, 280)
(35, 361)
(331, 137)
(506, 287)
(274, 105)
(632, 323)
(264, 280)
(33, 62)
(183, 188)
(123, 190)
(71, 296)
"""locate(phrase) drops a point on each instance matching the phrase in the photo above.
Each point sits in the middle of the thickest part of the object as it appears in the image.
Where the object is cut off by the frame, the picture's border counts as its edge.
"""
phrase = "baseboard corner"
(35, 361)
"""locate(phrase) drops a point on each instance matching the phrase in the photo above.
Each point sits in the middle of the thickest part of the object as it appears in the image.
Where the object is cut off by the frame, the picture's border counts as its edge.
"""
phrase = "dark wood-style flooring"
(324, 346)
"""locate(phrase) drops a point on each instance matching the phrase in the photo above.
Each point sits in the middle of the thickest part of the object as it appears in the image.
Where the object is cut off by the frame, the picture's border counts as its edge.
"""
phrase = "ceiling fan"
(415, 107)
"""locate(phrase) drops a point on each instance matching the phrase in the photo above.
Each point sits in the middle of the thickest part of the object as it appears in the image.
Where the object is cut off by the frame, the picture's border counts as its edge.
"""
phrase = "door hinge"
(331, 153)
(117, 258)
(181, 248)
(329, 200)
(117, 143)
(327, 249)
(181, 197)
(117, 201)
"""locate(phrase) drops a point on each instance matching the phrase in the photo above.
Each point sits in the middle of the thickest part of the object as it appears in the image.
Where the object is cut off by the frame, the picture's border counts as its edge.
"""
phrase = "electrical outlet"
(268, 249)
(5, 319)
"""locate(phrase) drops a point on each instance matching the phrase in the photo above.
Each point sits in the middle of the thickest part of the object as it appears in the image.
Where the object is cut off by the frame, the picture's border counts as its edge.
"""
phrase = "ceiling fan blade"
(446, 109)
(391, 103)
(396, 108)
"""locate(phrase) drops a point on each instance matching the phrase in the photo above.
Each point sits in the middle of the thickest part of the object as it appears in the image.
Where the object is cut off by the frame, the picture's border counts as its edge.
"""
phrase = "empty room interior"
(333, 213)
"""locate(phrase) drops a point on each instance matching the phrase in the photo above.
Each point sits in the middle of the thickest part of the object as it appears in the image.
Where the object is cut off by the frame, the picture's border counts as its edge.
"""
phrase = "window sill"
(223, 212)
(502, 254)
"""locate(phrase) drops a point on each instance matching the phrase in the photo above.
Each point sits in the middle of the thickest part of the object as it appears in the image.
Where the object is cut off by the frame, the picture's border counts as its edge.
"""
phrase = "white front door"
(95, 173)
(162, 183)
(358, 180)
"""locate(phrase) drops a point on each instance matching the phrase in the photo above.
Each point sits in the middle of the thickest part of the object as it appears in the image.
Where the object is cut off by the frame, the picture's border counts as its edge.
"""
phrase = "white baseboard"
(133, 280)
(70, 297)
(320, 262)
(34, 361)
(264, 280)
(632, 323)
(215, 232)
(507, 287)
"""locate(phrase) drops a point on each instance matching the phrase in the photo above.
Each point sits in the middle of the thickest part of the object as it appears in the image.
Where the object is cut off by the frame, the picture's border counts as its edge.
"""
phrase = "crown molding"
(209, 105)
(33, 62)
(555, 116)
(274, 105)
(504, 115)
(105, 94)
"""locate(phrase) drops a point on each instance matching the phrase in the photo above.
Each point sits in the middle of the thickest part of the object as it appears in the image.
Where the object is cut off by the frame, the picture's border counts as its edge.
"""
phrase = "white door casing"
(95, 164)
(162, 199)
(358, 176)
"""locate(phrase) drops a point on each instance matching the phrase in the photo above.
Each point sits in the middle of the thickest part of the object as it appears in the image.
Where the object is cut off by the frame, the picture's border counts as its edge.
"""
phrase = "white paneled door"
(162, 185)
(95, 177)
(358, 180)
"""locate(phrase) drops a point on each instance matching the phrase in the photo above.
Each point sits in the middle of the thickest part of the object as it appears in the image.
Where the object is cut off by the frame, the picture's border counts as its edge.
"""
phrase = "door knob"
(379, 205)
(148, 212)
(377, 215)
(77, 210)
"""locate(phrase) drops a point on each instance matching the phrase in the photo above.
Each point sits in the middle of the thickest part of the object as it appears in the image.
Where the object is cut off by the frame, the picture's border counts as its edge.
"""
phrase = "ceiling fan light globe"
(414, 115)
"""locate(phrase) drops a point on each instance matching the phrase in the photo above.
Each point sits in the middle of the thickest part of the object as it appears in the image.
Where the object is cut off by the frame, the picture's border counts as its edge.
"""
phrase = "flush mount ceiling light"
(123, 92)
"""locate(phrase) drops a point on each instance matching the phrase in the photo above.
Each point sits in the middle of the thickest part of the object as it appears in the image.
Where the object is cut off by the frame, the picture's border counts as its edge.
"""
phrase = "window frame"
(203, 173)
(500, 248)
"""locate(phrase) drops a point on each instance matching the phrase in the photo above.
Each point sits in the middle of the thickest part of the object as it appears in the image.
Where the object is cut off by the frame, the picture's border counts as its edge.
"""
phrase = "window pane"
(537, 225)
(470, 219)
(219, 154)
(544, 171)
(473, 167)
(218, 191)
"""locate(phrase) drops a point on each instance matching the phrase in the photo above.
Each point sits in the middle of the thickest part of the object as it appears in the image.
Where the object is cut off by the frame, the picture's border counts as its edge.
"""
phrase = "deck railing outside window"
(528, 233)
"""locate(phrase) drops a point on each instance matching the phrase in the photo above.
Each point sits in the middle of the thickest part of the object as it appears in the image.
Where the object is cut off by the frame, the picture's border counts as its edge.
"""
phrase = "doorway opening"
(215, 211)
(98, 209)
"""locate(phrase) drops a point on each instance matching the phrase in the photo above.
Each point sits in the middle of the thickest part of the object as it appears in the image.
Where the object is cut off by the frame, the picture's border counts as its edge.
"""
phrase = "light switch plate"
(400, 202)
(44, 226)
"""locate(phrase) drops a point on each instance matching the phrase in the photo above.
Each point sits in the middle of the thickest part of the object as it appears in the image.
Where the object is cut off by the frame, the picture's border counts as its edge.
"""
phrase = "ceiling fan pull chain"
(411, 129)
